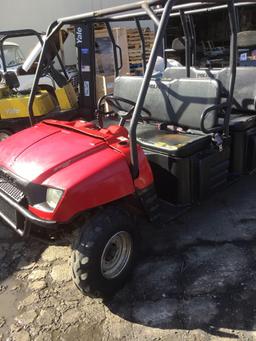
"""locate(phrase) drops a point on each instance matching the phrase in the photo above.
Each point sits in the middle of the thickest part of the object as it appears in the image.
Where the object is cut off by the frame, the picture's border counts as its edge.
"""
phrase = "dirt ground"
(196, 282)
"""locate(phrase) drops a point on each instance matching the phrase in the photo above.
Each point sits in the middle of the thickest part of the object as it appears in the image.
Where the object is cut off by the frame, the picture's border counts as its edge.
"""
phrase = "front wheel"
(104, 254)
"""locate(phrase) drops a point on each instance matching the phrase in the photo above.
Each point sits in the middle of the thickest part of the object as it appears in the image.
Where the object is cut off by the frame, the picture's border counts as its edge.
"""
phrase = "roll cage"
(160, 16)
(4, 35)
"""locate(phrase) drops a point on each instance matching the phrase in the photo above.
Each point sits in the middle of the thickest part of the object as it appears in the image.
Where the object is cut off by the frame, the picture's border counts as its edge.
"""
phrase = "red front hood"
(38, 152)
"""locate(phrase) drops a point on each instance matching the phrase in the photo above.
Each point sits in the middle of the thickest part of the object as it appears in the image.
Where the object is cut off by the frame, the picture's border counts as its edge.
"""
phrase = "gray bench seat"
(178, 102)
(244, 110)
(240, 122)
(172, 143)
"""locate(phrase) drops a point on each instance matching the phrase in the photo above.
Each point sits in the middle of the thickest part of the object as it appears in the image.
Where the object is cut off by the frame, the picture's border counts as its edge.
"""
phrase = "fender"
(98, 179)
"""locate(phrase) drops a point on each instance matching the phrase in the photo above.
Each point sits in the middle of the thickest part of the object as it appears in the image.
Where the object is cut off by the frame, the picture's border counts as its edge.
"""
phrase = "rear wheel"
(104, 254)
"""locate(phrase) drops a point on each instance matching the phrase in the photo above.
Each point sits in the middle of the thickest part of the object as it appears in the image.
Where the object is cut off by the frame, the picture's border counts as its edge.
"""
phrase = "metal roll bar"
(54, 27)
(143, 46)
(232, 63)
(4, 35)
(187, 42)
(115, 47)
(144, 87)
(96, 16)
(81, 18)
(165, 13)
(193, 39)
(199, 7)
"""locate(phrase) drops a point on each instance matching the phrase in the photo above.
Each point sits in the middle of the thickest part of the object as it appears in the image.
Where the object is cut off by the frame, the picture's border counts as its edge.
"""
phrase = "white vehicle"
(13, 56)
(12, 59)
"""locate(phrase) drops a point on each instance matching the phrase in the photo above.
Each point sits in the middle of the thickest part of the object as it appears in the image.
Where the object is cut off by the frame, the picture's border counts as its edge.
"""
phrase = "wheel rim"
(116, 254)
(3, 136)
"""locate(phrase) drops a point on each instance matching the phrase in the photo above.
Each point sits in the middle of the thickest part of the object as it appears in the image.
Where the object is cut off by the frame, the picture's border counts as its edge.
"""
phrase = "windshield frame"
(4, 35)
(16, 55)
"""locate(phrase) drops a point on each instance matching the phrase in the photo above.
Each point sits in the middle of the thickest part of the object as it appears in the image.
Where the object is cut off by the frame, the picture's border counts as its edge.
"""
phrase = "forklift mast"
(85, 43)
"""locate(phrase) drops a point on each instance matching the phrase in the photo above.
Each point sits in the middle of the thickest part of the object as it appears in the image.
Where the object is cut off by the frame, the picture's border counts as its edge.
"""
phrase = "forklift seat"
(177, 102)
(11, 80)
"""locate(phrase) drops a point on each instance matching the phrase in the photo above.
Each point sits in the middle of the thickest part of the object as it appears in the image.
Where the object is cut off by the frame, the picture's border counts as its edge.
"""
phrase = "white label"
(110, 85)
(12, 111)
(79, 35)
(243, 57)
(86, 68)
(87, 88)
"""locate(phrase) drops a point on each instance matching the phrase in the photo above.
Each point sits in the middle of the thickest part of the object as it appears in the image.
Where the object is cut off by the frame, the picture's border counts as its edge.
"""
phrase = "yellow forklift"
(55, 96)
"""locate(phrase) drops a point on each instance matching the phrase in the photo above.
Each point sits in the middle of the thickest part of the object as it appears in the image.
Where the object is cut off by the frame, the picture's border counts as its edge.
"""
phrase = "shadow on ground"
(200, 273)
(17, 253)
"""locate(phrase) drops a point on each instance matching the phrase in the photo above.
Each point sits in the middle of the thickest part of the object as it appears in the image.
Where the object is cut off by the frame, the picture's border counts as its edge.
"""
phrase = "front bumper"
(22, 226)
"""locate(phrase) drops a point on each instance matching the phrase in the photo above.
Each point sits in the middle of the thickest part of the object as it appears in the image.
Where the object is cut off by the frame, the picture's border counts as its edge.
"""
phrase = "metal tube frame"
(232, 63)
(144, 87)
(143, 46)
(87, 17)
(166, 13)
(151, 14)
(16, 34)
(54, 27)
(193, 39)
(111, 36)
(206, 8)
(187, 42)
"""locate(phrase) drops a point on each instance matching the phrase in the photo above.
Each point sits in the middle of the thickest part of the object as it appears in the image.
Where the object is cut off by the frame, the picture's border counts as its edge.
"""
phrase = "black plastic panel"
(213, 172)
(183, 181)
(243, 151)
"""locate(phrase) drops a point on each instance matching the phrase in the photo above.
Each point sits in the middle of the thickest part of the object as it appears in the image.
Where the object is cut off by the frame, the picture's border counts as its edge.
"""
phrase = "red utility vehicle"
(97, 175)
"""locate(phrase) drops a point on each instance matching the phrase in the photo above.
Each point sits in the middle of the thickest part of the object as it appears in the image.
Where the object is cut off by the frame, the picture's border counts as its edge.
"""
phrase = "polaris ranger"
(175, 143)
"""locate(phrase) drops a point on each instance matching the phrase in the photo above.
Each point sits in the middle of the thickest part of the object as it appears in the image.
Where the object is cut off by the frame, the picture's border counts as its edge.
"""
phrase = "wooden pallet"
(120, 35)
(104, 86)
(135, 47)
(130, 43)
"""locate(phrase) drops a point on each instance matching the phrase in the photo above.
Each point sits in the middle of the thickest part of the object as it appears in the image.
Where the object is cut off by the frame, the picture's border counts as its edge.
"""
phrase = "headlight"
(53, 197)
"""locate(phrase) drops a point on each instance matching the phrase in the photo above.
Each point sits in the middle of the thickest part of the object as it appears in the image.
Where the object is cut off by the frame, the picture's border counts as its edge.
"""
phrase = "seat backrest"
(11, 79)
(245, 85)
(179, 101)
(176, 72)
(178, 44)
(246, 39)
(180, 72)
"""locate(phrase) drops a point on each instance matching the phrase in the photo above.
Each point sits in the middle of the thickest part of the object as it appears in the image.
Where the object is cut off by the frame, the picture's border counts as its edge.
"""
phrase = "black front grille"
(11, 190)
(8, 213)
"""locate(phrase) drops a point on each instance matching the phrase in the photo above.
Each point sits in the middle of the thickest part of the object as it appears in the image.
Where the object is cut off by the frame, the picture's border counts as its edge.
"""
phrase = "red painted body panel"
(89, 183)
(90, 165)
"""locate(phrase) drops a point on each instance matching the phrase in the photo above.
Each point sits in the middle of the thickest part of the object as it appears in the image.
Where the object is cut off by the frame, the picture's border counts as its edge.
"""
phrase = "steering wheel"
(116, 103)
(51, 91)
(11, 63)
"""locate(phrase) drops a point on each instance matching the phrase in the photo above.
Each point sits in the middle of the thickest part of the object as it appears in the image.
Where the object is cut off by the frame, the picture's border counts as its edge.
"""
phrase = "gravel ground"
(196, 282)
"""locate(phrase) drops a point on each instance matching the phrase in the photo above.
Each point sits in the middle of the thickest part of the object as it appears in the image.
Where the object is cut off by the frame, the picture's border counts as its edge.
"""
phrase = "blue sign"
(85, 50)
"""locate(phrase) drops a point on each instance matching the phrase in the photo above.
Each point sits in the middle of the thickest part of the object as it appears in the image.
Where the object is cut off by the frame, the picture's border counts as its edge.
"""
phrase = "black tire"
(4, 134)
(92, 248)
